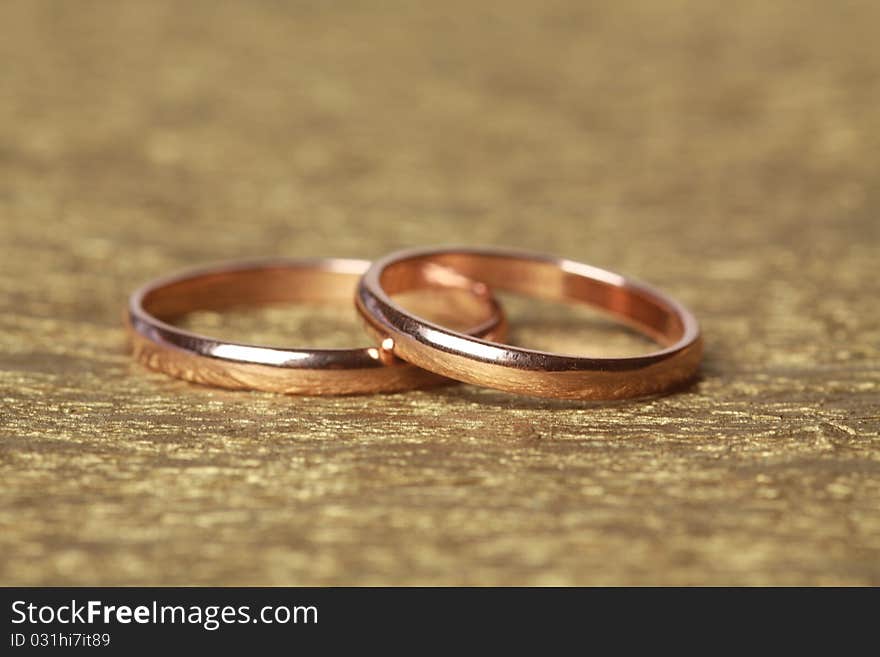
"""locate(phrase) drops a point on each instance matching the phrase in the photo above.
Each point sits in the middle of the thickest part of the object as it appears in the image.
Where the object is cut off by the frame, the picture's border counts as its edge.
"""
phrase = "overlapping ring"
(411, 351)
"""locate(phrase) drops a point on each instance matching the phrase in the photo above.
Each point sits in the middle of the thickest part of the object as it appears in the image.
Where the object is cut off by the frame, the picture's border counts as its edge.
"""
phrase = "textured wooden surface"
(726, 152)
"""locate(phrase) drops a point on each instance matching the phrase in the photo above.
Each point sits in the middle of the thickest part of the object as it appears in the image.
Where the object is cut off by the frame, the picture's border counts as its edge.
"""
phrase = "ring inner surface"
(564, 282)
(224, 290)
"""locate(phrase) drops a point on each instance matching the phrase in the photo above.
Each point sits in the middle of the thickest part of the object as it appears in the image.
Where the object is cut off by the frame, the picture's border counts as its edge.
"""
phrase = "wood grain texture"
(726, 152)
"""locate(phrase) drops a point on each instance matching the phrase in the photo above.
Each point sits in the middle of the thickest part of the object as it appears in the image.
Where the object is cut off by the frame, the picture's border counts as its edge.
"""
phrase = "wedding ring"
(484, 361)
(167, 348)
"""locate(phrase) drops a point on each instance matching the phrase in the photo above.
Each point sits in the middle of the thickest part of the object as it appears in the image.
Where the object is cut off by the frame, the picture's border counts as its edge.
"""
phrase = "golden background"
(729, 153)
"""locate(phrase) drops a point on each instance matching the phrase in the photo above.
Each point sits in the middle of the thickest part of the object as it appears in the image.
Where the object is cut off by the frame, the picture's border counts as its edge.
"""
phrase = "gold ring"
(167, 348)
(484, 361)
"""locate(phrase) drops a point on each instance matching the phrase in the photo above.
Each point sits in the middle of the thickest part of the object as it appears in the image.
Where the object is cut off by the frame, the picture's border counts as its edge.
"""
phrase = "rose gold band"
(186, 355)
(543, 374)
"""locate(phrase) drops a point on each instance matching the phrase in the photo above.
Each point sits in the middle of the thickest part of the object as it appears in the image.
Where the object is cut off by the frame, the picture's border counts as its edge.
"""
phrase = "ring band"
(538, 373)
(201, 359)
